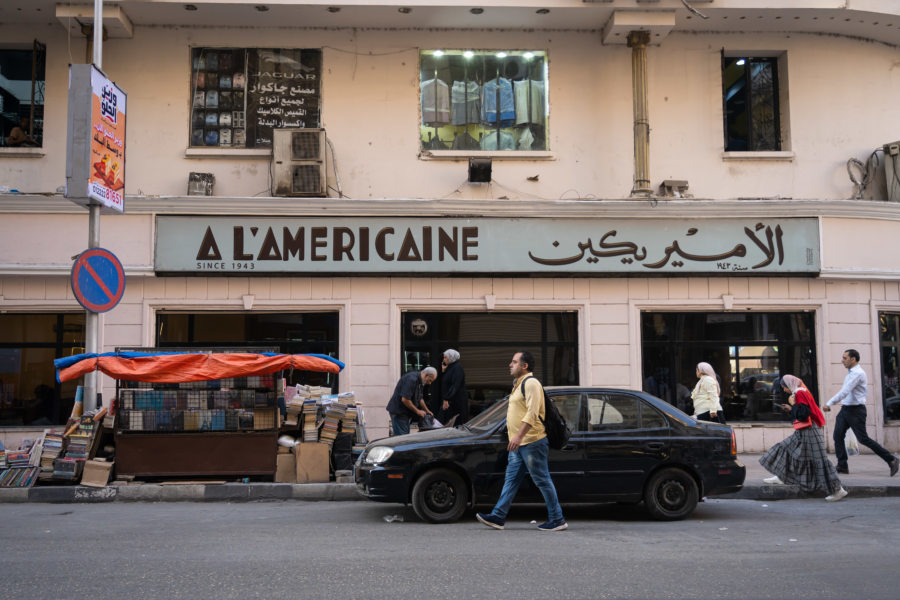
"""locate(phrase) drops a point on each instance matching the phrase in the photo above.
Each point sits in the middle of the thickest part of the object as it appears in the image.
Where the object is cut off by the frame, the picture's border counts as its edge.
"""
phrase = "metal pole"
(92, 319)
(637, 41)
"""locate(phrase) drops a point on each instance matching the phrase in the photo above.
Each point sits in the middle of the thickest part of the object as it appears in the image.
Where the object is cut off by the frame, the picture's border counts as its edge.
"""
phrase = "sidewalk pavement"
(869, 478)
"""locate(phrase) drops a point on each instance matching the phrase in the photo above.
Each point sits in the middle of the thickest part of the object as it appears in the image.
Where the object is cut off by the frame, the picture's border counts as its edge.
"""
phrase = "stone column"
(637, 41)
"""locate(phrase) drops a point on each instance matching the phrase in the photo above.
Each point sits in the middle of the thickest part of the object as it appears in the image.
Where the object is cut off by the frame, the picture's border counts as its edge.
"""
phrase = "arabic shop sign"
(317, 245)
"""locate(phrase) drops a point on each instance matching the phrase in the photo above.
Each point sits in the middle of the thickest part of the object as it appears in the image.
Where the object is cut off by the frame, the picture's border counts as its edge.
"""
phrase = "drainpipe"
(637, 41)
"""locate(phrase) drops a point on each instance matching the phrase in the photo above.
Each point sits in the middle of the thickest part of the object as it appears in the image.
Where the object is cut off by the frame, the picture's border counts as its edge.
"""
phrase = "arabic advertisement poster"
(282, 92)
(106, 182)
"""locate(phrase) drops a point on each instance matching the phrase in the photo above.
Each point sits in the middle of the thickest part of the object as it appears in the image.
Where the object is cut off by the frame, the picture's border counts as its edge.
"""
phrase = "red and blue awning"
(176, 367)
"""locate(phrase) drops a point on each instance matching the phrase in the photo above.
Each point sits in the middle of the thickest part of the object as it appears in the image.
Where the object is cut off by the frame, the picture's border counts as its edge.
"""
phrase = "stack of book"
(19, 477)
(68, 469)
(54, 443)
(334, 413)
(79, 445)
(310, 421)
(348, 423)
(2, 459)
(17, 459)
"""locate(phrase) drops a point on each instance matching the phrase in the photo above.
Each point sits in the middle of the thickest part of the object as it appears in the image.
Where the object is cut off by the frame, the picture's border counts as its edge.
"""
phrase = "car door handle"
(654, 445)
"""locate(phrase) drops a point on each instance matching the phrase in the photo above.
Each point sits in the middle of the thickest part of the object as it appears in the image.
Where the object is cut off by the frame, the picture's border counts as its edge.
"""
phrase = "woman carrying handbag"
(801, 459)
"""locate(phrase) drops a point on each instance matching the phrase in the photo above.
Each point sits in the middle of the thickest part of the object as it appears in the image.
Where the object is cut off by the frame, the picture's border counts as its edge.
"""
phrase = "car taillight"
(733, 444)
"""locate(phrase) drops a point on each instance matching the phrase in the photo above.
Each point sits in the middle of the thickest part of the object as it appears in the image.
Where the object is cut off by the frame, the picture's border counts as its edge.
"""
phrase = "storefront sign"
(95, 159)
(262, 245)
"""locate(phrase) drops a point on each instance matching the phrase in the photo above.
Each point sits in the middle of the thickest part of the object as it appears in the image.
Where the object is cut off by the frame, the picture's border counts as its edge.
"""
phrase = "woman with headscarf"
(706, 395)
(801, 459)
(454, 399)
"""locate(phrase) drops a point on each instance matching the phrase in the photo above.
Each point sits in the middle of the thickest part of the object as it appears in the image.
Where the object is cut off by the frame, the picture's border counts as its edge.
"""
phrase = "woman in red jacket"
(801, 459)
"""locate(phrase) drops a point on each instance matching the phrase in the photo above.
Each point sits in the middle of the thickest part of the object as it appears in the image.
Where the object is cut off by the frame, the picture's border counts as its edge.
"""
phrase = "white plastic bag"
(851, 444)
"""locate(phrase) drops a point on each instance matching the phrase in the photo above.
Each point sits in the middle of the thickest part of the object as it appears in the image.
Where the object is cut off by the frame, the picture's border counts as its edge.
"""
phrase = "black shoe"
(490, 520)
(843, 470)
(895, 466)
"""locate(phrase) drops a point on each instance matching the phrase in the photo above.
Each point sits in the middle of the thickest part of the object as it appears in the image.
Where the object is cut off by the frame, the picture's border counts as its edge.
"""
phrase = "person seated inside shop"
(18, 135)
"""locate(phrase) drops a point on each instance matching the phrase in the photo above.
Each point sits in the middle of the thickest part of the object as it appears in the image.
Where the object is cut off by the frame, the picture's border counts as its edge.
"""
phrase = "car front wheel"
(440, 496)
(671, 495)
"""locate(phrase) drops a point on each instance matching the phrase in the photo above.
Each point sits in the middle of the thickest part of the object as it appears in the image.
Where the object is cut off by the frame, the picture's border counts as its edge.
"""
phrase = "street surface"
(741, 549)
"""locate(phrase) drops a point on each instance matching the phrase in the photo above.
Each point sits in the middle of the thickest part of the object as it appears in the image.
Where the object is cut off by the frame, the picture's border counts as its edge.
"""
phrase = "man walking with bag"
(853, 415)
(528, 448)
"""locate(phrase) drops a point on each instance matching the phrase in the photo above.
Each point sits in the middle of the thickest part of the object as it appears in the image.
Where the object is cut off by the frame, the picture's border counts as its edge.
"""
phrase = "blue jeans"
(531, 459)
(400, 424)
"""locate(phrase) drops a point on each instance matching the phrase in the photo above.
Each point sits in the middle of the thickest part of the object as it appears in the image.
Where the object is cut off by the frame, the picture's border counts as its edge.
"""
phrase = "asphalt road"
(741, 549)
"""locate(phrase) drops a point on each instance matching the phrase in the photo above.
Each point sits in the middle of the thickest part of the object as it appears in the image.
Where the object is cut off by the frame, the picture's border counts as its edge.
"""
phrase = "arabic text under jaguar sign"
(316, 245)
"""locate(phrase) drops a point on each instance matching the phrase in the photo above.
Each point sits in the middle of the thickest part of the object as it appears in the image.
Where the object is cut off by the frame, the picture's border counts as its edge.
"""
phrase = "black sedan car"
(626, 446)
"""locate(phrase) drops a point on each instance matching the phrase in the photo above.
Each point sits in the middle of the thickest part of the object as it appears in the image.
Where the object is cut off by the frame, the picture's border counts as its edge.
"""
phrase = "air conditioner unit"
(298, 157)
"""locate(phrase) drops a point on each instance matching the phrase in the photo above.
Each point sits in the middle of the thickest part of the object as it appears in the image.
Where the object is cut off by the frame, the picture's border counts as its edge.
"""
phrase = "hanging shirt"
(465, 102)
(536, 90)
(435, 102)
(507, 141)
(526, 139)
(489, 107)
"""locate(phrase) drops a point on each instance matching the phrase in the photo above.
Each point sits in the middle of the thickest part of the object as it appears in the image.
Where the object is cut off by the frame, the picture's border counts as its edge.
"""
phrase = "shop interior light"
(740, 62)
(501, 55)
(439, 53)
(468, 54)
(528, 55)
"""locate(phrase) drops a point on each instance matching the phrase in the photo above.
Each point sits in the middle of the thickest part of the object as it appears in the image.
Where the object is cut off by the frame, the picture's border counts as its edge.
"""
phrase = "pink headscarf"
(795, 384)
(706, 369)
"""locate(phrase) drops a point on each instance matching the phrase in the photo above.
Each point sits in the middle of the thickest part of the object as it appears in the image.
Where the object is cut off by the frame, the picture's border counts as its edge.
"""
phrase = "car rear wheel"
(440, 496)
(671, 495)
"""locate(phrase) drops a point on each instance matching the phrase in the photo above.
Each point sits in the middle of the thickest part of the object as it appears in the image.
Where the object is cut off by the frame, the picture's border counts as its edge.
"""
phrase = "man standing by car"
(528, 448)
(408, 401)
(853, 415)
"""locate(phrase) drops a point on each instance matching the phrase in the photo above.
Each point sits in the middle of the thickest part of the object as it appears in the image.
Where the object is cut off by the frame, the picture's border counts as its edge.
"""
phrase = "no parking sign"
(98, 280)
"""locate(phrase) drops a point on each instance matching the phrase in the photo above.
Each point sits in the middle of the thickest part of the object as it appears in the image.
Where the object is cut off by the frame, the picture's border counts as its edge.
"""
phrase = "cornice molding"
(652, 208)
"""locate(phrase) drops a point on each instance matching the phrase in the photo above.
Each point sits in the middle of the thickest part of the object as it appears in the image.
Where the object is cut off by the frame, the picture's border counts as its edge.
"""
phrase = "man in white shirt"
(853, 415)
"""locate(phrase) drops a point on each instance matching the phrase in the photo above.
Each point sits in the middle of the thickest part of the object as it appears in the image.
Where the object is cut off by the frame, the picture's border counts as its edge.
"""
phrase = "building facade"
(624, 188)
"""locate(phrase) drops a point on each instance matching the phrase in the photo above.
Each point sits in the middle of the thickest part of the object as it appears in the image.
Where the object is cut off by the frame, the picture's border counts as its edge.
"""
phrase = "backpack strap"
(540, 418)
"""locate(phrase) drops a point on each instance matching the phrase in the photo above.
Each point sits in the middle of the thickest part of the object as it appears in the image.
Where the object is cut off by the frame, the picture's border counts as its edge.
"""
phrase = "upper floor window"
(239, 95)
(22, 96)
(483, 100)
(751, 104)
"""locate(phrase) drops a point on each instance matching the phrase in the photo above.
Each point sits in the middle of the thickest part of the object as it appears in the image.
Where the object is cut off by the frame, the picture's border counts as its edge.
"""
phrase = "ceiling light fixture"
(262, 8)
(404, 9)
(190, 7)
(740, 62)
(438, 53)
(334, 9)
(542, 11)
(468, 54)
(501, 55)
(476, 11)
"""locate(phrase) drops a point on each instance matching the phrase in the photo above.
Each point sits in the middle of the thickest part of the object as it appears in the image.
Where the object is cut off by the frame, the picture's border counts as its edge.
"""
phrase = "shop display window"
(290, 333)
(889, 340)
(483, 100)
(239, 95)
(748, 351)
(29, 343)
(486, 343)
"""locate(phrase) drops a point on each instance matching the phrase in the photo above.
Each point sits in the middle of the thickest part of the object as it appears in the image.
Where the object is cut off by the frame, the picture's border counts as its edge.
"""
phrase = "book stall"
(219, 413)
(70, 455)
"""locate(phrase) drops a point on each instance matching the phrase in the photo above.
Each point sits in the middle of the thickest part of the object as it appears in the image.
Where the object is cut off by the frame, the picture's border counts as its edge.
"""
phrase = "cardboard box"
(313, 459)
(286, 468)
(96, 473)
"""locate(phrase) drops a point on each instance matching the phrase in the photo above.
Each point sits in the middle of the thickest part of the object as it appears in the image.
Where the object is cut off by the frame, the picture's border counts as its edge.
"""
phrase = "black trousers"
(720, 417)
(854, 417)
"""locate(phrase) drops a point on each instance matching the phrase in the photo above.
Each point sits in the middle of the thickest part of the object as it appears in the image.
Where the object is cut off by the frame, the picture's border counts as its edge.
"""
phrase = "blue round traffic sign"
(98, 280)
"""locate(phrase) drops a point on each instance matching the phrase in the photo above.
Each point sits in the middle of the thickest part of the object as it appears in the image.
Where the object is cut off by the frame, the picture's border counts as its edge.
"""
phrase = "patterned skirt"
(801, 460)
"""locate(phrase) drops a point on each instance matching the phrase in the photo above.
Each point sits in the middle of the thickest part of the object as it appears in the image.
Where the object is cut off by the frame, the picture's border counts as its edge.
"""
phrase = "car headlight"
(378, 455)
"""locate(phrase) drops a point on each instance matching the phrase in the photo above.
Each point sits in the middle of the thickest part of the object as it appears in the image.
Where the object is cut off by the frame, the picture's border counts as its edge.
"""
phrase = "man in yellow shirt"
(528, 448)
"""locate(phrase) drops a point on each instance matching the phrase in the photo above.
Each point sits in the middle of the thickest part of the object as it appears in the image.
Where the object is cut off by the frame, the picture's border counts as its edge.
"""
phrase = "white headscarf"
(451, 355)
(706, 369)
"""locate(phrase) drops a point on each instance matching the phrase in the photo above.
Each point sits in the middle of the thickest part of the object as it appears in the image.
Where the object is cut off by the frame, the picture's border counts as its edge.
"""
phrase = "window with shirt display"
(483, 100)
(239, 95)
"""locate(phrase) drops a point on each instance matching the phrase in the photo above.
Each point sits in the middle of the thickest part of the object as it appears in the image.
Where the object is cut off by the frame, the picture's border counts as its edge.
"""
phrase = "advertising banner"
(106, 183)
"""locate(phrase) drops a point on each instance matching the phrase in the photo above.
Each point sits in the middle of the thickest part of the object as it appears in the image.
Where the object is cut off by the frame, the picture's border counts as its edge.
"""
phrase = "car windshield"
(489, 417)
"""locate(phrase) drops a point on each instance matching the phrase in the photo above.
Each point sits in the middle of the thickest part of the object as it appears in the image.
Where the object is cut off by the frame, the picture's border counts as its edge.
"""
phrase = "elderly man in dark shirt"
(408, 401)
